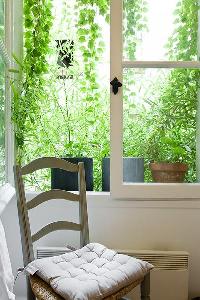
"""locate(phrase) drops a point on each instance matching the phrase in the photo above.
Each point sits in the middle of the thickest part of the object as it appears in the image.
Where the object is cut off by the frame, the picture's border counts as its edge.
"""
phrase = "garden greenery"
(174, 113)
(2, 100)
(30, 90)
(68, 115)
(167, 130)
(64, 111)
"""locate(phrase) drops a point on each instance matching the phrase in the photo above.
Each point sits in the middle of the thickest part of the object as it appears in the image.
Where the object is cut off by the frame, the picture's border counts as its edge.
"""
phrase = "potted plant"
(167, 158)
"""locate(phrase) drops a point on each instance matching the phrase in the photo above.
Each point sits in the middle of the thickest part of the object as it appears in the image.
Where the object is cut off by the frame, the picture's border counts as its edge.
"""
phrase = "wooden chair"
(36, 287)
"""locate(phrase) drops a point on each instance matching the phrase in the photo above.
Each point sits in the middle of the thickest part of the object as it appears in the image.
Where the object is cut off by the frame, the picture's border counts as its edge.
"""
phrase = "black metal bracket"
(115, 85)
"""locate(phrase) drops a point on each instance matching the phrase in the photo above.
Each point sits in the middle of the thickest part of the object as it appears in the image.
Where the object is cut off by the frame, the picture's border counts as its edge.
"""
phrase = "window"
(9, 13)
(154, 54)
(68, 107)
(67, 112)
(2, 98)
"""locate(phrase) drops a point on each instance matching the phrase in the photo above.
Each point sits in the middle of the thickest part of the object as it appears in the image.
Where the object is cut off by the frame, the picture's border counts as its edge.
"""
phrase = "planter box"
(68, 181)
(133, 171)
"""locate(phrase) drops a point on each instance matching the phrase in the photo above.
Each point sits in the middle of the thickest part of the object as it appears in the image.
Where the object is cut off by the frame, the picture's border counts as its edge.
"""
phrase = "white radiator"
(42, 252)
(169, 279)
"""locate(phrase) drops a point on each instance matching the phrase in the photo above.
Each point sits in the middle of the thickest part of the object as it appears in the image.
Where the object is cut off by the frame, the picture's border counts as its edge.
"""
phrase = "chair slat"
(52, 194)
(60, 225)
(26, 240)
(84, 236)
(49, 162)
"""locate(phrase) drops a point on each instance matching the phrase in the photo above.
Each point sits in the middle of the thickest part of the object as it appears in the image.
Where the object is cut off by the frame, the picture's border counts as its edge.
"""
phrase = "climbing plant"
(92, 48)
(62, 114)
(29, 90)
(135, 25)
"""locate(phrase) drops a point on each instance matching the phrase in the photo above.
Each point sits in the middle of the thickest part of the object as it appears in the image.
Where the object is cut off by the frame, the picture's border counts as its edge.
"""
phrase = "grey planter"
(133, 171)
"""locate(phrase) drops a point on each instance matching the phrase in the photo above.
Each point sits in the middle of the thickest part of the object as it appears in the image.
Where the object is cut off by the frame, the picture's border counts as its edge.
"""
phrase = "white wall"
(125, 224)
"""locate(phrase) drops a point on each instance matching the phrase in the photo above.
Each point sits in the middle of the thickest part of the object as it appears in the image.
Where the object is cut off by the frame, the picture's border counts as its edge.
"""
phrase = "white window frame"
(9, 148)
(13, 44)
(119, 189)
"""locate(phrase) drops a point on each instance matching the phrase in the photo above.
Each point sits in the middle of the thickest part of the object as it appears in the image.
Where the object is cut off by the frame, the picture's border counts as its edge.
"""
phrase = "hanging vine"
(29, 92)
(92, 46)
(135, 26)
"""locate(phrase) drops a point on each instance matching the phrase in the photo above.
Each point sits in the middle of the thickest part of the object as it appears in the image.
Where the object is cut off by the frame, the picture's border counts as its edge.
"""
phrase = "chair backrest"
(23, 206)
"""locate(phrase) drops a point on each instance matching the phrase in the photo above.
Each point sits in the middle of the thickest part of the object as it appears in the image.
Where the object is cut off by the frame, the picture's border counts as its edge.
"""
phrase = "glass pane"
(73, 120)
(2, 100)
(160, 109)
(160, 30)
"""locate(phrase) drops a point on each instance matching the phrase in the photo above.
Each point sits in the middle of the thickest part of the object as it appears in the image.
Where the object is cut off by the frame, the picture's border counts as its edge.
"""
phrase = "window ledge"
(105, 200)
(157, 191)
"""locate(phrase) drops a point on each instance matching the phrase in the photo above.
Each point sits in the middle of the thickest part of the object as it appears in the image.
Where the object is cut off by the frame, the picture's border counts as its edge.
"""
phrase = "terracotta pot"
(168, 172)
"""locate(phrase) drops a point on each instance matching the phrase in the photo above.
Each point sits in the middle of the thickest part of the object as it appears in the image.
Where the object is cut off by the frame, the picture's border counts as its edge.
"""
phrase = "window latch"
(115, 85)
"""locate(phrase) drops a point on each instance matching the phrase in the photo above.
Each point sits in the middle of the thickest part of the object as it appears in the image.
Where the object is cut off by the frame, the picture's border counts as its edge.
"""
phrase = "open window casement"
(10, 42)
(151, 62)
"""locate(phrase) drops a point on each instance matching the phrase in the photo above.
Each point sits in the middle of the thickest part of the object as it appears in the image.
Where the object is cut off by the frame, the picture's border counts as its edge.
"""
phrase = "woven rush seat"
(92, 272)
(44, 291)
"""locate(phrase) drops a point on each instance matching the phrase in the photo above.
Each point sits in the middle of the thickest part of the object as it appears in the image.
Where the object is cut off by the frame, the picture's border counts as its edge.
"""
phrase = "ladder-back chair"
(36, 287)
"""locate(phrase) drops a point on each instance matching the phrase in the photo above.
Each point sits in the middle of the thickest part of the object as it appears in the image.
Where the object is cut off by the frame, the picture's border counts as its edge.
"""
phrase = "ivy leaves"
(73, 127)
(92, 46)
(29, 90)
(182, 45)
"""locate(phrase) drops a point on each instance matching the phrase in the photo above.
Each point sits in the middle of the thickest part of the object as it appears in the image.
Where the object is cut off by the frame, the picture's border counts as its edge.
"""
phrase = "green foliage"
(2, 100)
(173, 136)
(65, 111)
(96, 107)
(134, 23)
(182, 45)
(29, 90)
(164, 129)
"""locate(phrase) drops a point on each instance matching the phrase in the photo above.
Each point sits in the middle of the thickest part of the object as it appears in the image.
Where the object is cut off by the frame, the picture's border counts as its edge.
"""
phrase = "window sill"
(157, 191)
(105, 200)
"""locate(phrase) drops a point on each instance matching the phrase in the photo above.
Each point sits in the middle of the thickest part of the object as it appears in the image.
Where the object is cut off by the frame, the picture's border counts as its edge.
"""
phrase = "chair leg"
(30, 295)
(145, 288)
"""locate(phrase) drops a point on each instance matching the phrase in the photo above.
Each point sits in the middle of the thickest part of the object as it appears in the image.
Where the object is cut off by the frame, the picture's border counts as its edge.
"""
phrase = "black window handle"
(115, 85)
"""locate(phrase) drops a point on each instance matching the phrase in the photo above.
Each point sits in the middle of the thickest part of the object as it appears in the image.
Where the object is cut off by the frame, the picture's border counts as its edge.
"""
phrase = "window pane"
(160, 30)
(2, 101)
(73, 118)
(160, 109)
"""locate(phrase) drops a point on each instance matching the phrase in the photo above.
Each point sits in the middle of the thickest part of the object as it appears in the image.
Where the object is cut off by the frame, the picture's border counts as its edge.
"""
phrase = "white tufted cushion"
(92, 272)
